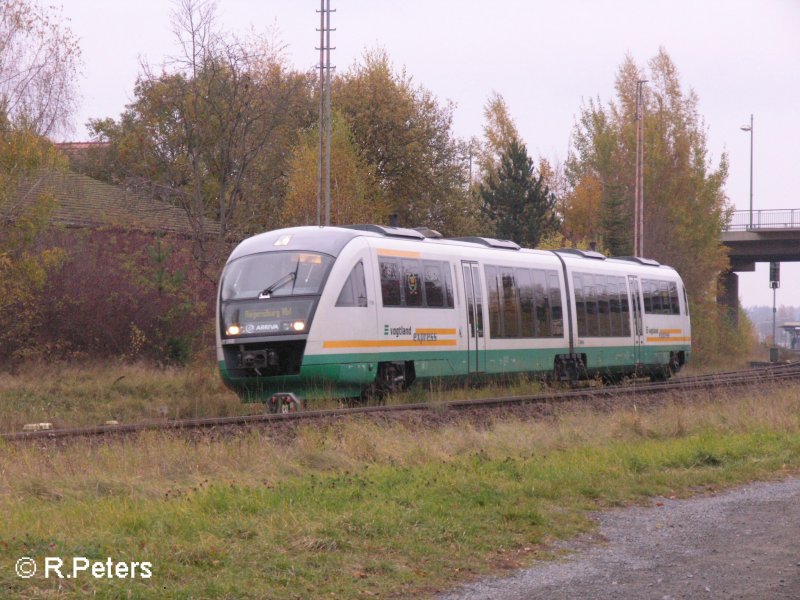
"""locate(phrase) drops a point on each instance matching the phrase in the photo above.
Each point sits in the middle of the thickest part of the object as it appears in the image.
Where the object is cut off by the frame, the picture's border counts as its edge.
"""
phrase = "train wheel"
(674, 363)
(392, 378)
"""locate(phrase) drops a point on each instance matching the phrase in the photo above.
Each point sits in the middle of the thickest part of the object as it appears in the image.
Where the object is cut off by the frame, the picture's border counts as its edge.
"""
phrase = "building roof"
(86, 202)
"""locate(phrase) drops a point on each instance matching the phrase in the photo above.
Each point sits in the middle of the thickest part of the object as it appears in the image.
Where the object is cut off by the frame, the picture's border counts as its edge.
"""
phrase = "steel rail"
(747, 377)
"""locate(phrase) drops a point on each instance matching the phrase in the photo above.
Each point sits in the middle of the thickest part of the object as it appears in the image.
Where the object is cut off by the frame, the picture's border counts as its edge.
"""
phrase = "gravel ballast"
(743, 543)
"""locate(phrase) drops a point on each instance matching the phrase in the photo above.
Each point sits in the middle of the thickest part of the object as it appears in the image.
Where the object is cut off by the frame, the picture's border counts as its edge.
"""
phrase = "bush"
(116, 294)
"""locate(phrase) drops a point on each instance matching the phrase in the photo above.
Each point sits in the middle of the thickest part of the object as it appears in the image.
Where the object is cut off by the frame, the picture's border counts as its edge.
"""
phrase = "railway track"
(744, 378)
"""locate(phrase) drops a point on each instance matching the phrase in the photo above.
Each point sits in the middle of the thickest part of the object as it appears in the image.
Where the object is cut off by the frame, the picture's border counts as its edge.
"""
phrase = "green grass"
(358, 509)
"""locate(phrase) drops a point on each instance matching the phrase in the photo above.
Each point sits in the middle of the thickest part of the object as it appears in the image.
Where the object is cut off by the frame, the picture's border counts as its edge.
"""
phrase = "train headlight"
(233, 330)
(299, 325)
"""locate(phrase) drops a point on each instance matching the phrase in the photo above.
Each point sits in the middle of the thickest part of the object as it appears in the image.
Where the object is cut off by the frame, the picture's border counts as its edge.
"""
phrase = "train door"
(473, 300)
(638, 325)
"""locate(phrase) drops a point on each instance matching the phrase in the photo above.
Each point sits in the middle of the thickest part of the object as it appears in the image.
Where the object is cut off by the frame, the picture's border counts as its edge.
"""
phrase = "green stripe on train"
(347, 374)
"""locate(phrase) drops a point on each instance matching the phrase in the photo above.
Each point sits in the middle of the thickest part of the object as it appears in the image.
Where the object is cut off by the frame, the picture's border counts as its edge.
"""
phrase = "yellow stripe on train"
(386, 343)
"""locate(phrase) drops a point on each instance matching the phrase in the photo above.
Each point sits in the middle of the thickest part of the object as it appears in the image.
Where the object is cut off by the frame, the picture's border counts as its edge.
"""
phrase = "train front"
(268, 295)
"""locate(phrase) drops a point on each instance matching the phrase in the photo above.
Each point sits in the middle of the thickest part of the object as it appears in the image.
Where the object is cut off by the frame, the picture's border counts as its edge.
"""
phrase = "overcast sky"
(546, 58)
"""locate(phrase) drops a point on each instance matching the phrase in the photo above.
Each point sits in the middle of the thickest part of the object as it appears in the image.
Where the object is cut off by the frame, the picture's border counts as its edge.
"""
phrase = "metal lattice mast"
(321, 66)
(324, 110)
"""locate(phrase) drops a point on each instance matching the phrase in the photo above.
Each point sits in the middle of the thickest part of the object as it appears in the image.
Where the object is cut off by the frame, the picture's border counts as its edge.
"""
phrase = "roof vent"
(490, 242)
(582, 253)
(401, 232)
(429, 233)
(639, 259)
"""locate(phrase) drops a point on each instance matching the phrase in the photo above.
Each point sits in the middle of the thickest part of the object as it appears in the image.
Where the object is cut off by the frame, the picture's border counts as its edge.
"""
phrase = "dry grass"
(154, 462)
(74, 396)
(358, 508)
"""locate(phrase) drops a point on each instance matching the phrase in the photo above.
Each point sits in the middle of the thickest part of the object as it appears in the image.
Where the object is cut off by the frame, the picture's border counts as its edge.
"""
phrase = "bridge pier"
(728, 295)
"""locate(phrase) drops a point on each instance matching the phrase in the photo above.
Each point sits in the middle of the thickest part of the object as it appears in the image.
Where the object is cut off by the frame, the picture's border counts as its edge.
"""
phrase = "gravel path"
(744, 543)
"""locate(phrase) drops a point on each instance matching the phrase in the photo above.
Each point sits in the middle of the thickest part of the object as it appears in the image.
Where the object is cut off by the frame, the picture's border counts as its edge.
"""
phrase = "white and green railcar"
(342, 311)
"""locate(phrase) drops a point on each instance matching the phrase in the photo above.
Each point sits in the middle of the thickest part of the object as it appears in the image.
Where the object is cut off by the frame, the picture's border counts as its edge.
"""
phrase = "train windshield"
(274, 274)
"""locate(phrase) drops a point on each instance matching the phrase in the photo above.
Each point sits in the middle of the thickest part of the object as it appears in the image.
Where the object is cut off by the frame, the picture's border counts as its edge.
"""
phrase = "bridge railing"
(788, 218)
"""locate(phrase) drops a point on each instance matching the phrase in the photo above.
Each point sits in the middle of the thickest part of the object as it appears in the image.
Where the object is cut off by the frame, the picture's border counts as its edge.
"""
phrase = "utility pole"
(638, 200)
(324, 109)
(321, 113)
(750, 129)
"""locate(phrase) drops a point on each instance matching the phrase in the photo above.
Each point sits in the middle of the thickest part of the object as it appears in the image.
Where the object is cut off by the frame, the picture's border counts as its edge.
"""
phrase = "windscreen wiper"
(282, 281)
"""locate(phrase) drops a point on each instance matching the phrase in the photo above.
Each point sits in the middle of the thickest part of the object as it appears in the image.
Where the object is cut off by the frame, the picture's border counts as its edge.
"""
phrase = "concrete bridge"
(758, 236)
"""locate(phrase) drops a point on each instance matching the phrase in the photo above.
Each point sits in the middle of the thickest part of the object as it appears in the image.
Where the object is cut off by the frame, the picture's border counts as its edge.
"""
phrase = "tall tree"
(499, 130)
(404, 132)
(356, 196)
(39, 58)
(39, 62)
(685, 207)
(685, 204)
(517, 201)
(212, 135)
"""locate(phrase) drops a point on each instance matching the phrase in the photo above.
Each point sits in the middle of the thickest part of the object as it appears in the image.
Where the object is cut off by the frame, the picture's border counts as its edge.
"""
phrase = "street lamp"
(750, 129)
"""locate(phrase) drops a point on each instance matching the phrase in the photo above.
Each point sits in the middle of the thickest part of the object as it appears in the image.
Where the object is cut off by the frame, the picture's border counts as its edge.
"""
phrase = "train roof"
(331, 240)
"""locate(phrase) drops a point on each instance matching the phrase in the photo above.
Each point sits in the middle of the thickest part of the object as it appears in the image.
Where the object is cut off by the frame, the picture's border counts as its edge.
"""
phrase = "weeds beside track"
(633, 388)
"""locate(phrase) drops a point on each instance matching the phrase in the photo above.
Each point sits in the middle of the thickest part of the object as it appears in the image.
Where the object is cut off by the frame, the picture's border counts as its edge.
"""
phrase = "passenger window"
(510, 304)
(603, 311)
(612, 287)
(580, 304)
(625, 308)
(390, 282)
(354, 291)
(448, 286)
(557, 320)
(647, 292)
(673, 298)
(526, 306)
(412, 283)
(542, 300)
(494, 302)
(590, 297)
(434, 290)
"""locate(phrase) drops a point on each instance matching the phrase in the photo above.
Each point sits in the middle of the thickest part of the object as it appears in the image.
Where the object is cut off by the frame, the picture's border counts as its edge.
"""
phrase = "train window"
(663, 292)
(612, 288)
(624, 307)
(590, 297)
(542, 300)
(434, 288)
(603, 311)
(390, 282)
(660, 297)
(686, 301)
(673, 298)
(412, 283)
(448, 286)
(601, 303)
(648, 290)
(580, 304)
(526, 305)
(494, 301)
(510, 305)
(557, 320)
(354, 291)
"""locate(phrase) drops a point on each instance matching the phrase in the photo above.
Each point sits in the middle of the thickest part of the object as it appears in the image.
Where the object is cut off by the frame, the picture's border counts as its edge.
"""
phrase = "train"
(355, 311)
